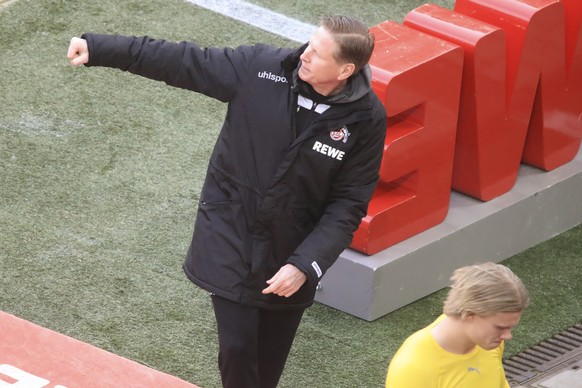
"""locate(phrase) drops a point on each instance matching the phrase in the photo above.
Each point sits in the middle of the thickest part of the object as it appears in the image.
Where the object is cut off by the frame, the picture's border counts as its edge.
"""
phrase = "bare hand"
(78, 52)
(286, 281)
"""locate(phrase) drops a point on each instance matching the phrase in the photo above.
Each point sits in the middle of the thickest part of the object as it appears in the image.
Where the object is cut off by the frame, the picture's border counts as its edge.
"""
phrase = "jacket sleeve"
(347, 205)
(211, 71)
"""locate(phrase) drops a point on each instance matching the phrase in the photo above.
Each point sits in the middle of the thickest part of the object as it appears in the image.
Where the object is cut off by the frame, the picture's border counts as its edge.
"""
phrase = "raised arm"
(211, 71)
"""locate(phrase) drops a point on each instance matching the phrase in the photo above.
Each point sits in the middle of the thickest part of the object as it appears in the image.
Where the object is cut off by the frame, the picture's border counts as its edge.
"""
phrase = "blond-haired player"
(464, 346)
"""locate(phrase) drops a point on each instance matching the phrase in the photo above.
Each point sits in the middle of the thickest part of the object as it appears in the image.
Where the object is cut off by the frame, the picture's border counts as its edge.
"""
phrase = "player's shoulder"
(418, 346)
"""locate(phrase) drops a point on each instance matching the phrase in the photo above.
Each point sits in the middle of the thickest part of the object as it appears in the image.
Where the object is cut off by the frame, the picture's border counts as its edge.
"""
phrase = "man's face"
(318, 65)
(489, 331)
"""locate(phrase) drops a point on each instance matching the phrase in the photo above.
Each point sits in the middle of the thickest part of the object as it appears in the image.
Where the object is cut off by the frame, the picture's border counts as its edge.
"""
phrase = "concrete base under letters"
(540, 206)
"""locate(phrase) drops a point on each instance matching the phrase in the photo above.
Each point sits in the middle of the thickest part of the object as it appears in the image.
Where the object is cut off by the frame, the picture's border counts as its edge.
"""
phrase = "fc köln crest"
(340, 134)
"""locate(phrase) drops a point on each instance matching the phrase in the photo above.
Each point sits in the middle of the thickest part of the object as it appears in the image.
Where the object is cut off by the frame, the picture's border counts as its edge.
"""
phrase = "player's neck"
(450, 336)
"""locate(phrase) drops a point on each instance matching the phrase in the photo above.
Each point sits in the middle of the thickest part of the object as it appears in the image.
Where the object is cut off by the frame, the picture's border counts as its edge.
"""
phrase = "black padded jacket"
(270, 197)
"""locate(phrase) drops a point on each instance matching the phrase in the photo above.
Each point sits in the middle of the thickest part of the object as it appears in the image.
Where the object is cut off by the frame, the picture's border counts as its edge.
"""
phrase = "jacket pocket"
(218, 246)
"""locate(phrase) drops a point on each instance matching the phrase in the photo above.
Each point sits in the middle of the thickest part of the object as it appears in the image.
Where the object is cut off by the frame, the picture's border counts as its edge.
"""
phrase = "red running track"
(35, 357)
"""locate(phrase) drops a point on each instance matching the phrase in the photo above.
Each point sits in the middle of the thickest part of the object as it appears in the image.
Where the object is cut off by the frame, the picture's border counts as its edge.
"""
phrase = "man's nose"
(506, 335)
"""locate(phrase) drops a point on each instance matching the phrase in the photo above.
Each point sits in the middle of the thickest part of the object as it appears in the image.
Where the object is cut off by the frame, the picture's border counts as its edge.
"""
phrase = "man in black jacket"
(288, 182)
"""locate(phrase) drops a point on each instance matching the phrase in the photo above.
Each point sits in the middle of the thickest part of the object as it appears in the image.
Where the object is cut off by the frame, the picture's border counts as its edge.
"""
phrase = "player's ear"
(470, 317)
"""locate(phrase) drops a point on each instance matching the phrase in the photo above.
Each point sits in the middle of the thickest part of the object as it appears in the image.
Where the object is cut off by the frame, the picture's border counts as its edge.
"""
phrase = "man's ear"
(346, 71)
(468, 317)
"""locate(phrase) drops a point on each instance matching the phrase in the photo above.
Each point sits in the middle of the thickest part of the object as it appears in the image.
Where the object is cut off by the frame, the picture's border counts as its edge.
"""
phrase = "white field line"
(259, 17)
(5, 3)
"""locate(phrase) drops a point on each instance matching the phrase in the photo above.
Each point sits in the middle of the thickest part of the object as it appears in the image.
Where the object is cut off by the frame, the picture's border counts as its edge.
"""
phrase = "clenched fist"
(78, 52)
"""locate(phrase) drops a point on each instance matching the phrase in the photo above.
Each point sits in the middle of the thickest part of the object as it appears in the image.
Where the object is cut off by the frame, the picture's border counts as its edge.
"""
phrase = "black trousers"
(253, 343)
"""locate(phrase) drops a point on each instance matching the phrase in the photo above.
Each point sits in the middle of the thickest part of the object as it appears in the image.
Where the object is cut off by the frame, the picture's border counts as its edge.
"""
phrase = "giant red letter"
(543, 96)
(418, 77)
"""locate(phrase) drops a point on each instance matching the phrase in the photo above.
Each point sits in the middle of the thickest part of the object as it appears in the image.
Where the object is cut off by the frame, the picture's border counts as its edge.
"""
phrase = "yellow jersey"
(422, 363)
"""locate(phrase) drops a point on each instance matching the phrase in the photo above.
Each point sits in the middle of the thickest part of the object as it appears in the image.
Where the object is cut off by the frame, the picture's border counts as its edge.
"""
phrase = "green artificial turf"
(100, 173)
